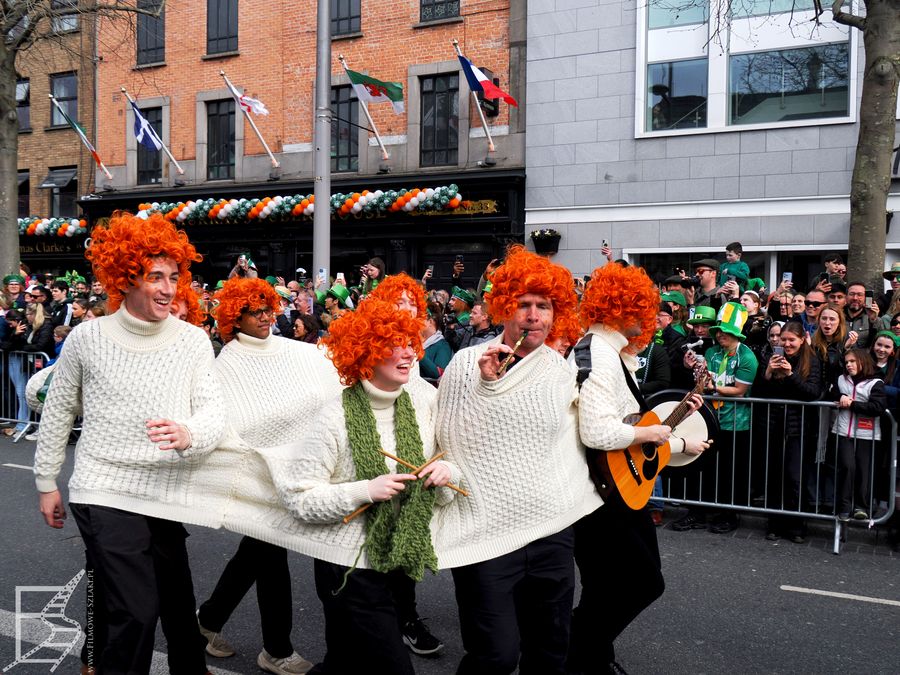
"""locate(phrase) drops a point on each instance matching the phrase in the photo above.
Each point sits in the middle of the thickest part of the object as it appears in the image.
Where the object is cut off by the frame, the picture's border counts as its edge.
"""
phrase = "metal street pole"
(322, 145)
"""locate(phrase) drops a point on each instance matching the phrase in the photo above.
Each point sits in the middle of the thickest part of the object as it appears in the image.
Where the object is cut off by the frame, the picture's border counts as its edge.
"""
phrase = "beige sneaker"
(289, 665)
(216, 644)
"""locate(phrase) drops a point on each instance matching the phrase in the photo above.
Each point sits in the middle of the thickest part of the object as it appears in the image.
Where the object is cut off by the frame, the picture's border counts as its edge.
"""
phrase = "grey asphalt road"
(728, 605)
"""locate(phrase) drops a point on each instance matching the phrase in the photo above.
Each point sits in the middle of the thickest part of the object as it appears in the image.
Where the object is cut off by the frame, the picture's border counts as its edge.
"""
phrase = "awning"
(23, 177)
(58, 178)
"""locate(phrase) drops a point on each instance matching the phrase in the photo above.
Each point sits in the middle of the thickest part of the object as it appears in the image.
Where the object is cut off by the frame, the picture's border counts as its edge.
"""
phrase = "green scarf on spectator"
(395, 539)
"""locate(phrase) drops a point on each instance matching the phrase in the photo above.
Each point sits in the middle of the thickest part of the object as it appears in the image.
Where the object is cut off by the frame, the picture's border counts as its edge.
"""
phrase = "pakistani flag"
(370, 90)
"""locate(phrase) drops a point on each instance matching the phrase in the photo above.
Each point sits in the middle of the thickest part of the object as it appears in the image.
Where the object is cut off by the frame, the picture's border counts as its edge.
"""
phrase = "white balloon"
(429, 192)
(70, 232)
(413, 202)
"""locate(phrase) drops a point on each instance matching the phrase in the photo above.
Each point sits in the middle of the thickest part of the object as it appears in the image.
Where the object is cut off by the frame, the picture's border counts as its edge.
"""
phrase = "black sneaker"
(689, 522)
(419, 639)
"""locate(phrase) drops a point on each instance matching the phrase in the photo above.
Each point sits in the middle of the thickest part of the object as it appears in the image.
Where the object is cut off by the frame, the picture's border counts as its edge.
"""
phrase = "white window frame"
(693, 42)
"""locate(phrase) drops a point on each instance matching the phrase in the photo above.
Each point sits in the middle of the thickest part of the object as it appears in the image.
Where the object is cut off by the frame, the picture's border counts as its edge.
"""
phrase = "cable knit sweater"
(316, 478)
(125, 371)
(273, 390)
(515, 441)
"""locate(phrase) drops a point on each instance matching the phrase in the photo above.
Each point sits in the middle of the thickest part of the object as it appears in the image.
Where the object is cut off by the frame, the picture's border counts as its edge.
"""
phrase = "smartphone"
(339, 277)
(605, 243)
(778, 351)
(459, 257)
(787, 276)
(869, 296)
(731, 277)
(431, 268)
(823, 276)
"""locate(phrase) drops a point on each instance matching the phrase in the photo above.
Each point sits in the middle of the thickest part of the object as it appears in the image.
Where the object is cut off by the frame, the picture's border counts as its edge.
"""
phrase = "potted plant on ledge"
(545, 242)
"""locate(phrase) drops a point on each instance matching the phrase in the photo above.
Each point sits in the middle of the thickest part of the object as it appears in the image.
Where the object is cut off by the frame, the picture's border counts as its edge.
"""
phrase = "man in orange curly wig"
(506, 416)
(340, 469)
(618, 308)
(242, 297)
(151, 407)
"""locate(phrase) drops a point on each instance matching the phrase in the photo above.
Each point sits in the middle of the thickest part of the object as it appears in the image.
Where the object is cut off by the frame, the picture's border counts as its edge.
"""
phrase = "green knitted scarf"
(393, 540)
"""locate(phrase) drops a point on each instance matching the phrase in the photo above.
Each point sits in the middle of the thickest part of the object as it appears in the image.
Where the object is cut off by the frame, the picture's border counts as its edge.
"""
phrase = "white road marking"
(20, 466)
(843, 596)
(33, 633)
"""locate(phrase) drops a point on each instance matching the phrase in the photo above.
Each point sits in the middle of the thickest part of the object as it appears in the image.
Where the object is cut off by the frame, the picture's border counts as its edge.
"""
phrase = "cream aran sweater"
(316, 478)
(126, 371)
(515, 441)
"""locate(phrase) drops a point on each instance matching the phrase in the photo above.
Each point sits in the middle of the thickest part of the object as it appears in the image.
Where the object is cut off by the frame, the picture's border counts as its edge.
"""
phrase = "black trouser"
(95, 624)
(266, 565)
(854, 460)
(618, 557)
(141, 569)
(403, 589)
(361, 630)
(515, 610)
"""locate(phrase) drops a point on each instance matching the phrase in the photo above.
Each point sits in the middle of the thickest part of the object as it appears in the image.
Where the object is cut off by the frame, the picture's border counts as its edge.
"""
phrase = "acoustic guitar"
(633, 471)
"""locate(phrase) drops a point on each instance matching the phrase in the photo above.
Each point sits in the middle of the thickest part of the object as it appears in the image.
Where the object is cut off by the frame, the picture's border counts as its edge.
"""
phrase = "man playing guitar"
(615, 542)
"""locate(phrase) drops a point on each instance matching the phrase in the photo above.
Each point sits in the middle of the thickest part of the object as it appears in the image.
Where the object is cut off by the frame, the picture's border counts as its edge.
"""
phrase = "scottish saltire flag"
(478, 81)
(144, 132)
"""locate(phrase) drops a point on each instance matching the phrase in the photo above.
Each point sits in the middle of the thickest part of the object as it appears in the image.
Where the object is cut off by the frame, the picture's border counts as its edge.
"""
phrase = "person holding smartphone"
(862, 314)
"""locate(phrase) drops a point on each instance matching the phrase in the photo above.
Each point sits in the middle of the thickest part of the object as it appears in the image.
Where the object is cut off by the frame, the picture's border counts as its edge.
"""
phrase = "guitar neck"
(683, 409)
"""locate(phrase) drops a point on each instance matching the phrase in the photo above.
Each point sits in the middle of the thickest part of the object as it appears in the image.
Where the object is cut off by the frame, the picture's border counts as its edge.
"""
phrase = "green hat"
(893, 272)
(283, 291)
(13, 278)
(271, 280)
(755, 284)
(219, 284)
(888, 334)
(731, 320)
(320, 297)
(674, 296)
(703, 314)
(462, 294)
(339, 293)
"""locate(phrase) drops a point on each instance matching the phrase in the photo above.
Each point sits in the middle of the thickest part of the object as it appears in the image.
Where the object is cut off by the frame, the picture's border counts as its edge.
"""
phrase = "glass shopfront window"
(676, 95)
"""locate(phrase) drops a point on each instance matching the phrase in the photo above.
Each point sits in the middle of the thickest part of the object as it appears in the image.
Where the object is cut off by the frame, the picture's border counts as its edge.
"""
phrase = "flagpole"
(484, 125)
(163, 145)
(322, 146)
(384, 152)
(83, 138)
(252, 123)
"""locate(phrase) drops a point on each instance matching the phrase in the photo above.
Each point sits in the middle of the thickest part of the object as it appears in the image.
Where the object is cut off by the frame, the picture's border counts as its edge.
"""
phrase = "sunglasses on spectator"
(895, 323)
(814, 303)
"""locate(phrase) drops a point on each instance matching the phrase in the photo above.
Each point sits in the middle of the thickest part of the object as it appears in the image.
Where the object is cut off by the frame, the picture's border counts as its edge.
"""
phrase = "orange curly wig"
(360, 340)
(122, 250)
(185, 296)
(392, 287)
(526, 272)
(620, 298)
(237, 295)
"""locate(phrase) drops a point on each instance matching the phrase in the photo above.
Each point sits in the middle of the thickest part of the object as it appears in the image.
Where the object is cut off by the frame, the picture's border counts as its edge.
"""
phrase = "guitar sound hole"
(650, 450)
(650, 468)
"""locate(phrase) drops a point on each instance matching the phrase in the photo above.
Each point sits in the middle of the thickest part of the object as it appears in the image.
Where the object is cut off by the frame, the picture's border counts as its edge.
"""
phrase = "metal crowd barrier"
(15, 369)
(765, 470)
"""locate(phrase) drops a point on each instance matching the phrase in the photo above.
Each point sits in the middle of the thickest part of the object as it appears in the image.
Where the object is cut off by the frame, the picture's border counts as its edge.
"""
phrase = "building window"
(221, 26)
(24, 194)
(718, 65)
(220, 140)
(64, 24)
(676, 95)
(64, 88)
(666, 13)
(23, 104)
(63, 185)
(344, 129)
(433, 10)
(440, 120)
(345, 15)
(149, 162)
(789, 84)
(151, 33)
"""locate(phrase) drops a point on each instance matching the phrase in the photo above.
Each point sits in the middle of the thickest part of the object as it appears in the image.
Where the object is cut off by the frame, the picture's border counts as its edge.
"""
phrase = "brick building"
(54, 167)
(670, 136)
(438, 140)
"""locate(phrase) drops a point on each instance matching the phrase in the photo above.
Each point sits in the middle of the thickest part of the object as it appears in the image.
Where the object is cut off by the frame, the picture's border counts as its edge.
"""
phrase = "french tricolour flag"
(478, 81)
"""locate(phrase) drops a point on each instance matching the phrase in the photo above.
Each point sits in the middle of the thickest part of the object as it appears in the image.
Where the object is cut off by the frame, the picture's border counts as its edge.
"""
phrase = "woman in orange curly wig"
(526, 273)
(621, 298)
(342, 470)
(241, 295)
(619, 308)
(402, 291)
(120, 252)
(186, 305)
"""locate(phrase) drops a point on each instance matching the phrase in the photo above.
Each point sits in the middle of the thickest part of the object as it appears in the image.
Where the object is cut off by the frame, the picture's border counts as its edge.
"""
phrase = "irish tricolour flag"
(370, 90)
(479, 82)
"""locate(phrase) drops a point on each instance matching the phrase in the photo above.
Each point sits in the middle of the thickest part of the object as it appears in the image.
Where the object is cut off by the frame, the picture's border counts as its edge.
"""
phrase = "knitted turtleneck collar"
(618, 342)
(137, 335)
(132, 324)
(380, 399)
(271, 344)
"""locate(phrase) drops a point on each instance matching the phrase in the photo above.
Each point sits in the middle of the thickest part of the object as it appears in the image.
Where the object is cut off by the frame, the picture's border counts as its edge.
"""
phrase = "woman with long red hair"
(618, 309)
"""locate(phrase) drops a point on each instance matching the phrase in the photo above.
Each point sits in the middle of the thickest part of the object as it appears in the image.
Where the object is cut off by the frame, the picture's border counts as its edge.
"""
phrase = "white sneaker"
(216, 644)
(289, 665)
(31, 437)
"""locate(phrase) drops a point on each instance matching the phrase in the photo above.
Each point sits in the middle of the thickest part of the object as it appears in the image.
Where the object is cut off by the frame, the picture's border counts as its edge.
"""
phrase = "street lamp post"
(322, 146)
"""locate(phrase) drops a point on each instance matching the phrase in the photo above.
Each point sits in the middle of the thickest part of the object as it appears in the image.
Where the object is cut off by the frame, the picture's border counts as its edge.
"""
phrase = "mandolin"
(633, 471)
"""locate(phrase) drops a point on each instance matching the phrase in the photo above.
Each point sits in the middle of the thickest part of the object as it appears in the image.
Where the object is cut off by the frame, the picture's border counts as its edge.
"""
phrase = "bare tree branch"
(840, 16)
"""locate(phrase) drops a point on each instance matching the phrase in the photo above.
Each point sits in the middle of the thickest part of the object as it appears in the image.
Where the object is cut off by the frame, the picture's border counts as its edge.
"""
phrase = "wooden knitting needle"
(416, 471)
